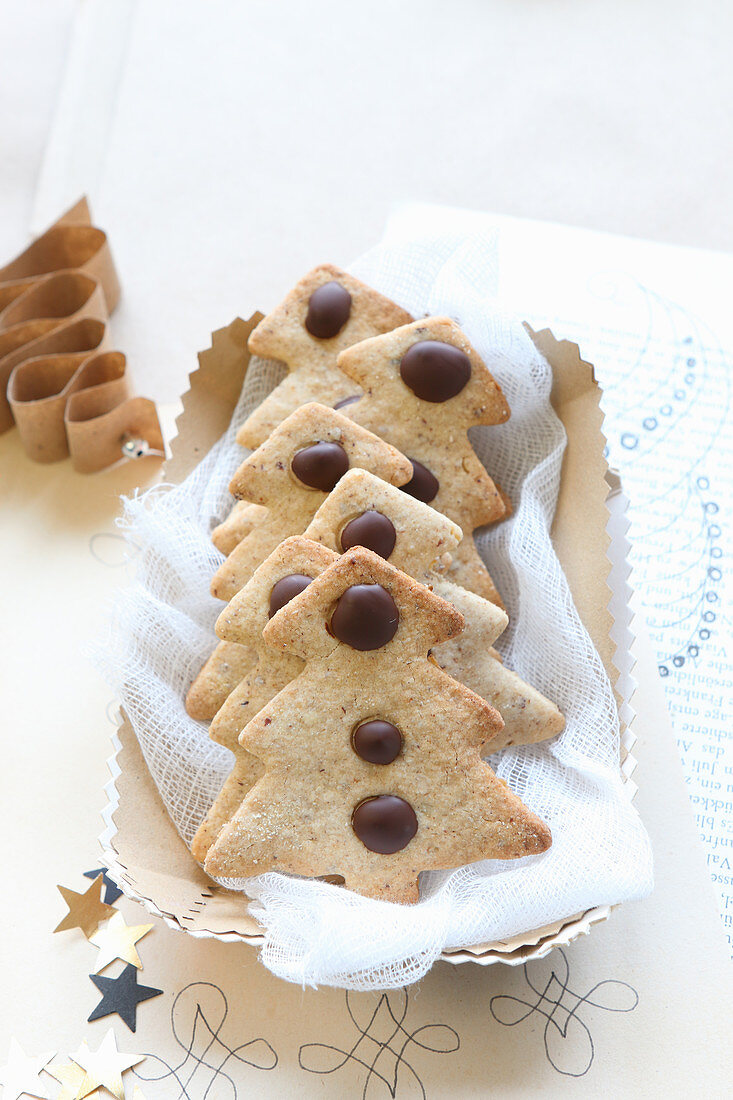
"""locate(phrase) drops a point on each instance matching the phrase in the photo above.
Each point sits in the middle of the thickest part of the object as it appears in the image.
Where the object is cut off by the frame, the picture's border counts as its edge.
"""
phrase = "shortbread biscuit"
(372, 767)
(291, 475)
(242, 519)
(528, 716)
(363, 510)
(226, 666)
(468, 571)
(424, 387)
(285, 573)
(326, 312)
(362, 507)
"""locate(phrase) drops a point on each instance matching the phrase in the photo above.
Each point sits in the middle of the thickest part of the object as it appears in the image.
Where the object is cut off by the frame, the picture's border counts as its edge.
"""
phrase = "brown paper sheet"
(151, 860)
(579, 528)
(58, 381)
(213, 392)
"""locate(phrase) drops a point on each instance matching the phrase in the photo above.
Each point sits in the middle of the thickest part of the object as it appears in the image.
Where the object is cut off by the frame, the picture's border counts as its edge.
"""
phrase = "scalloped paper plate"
(141, 846)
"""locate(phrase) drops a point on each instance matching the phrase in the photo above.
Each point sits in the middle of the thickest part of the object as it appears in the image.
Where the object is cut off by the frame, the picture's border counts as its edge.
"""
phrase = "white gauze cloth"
(316, 933)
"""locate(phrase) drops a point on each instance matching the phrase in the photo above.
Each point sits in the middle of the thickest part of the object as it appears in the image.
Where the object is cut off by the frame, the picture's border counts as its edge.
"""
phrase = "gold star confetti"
(19, 1076)
(86, 911)
(103, 1068)
(70, 1075)
(116, 940)
(137, 1093)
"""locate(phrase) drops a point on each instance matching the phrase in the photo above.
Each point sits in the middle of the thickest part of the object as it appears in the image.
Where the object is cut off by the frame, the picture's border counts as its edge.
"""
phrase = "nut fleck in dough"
(435, 432)
(298, 816)
(311, 357)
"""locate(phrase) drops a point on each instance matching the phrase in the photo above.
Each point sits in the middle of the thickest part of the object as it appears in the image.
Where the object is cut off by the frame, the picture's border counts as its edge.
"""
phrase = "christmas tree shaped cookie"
(528, 716)
(286, 572)
(371, 756)
(326, 312)
(362, 510)
(424, 387)
(242, 519)
(421, 538)
(291, 475)
(225, 668)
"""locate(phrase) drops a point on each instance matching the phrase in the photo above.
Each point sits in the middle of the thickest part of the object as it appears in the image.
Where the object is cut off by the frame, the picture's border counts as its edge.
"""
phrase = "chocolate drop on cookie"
(384, 824)
(377, 741)
(329, 309)
(321, 465)
(286, 589)
(435, 371)
(370, 529)
(423, 485)
(346, 401)
(366, 617)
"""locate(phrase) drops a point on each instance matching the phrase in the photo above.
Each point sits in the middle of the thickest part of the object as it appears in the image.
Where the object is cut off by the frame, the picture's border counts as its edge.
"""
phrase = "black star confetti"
(121, 995)
(111, 890)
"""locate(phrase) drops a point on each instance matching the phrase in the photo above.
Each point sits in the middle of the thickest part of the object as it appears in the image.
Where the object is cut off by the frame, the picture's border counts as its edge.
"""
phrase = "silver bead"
(135, 448)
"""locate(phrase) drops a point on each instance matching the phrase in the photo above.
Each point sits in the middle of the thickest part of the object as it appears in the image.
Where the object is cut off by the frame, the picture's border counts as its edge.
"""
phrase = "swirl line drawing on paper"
(205, 1071)
(568, 1042)
(382, 1045)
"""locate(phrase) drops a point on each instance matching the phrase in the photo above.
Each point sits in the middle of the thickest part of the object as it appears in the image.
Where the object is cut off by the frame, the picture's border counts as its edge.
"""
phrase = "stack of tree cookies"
(356, 682)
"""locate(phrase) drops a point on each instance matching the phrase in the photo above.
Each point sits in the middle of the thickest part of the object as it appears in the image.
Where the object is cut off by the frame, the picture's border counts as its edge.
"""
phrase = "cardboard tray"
(142, 848)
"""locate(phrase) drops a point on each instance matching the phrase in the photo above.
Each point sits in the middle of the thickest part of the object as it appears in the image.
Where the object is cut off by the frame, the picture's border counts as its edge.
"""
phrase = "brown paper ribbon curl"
(60, 382)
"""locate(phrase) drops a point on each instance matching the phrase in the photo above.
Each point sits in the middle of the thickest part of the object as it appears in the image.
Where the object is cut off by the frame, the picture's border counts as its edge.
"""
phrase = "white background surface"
(608, 113)
(304, 124)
